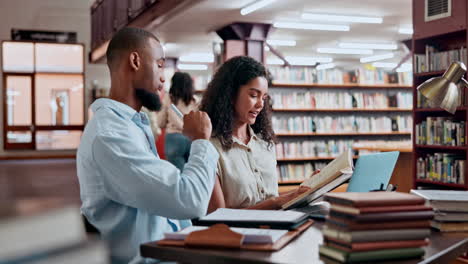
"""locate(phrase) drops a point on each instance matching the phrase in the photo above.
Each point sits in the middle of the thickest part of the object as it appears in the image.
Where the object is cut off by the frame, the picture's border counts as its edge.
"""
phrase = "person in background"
(128, 193)
(237, 102)
(181, 94)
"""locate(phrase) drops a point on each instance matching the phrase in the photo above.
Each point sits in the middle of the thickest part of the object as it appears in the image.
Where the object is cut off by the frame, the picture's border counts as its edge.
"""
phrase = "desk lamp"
(443, 91)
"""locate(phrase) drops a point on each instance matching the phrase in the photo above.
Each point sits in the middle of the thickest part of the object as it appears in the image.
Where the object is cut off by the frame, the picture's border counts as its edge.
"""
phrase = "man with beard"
(128, 193)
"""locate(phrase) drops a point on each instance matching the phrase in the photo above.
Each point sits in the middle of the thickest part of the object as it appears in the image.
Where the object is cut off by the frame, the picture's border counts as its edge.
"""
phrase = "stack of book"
(375, 226)
(450, 207)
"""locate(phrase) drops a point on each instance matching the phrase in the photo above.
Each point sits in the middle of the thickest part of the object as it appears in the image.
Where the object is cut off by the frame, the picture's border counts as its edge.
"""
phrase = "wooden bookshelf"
(390, 109)
(428, 74)
(342, 134)
(290, 182)
(444, 34)
(302, 110)
(441, 147)
(341, 86)
(308, 159)
(441, 184)
(424, 110)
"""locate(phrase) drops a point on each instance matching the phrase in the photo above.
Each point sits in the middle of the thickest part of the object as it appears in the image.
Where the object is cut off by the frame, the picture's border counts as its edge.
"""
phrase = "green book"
(386, 254)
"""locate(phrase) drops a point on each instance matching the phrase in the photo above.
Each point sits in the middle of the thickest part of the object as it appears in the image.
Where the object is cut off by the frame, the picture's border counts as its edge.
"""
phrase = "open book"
(335, 173)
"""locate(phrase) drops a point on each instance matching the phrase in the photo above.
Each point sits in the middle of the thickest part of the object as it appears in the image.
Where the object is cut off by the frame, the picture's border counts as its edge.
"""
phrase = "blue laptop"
(372, 170)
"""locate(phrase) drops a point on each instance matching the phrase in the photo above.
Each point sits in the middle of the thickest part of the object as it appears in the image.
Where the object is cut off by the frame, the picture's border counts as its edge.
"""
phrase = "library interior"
(217, 131)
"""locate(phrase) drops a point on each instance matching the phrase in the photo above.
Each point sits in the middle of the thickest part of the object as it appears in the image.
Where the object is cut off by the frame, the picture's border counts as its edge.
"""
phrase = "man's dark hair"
(222, 92)
(126, 40)
(181, 88)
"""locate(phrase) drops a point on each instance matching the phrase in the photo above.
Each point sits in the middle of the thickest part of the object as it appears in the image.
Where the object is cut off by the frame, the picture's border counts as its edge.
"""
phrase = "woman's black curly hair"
(181, 88)
(222, 92)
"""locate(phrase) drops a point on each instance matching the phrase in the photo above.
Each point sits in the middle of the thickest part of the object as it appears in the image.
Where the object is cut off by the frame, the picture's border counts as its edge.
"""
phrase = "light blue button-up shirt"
(128, 193)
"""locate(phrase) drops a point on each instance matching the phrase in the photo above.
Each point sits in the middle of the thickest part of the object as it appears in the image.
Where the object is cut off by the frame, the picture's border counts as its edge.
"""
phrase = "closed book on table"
(274, 219)
(451, 216)
(370, 235)
(223, 236)
(387, 217)
(344, 224)
(374, 255)
(373, 199)
(376, 245)
(450, 226)
(378, 209)
(447, 200)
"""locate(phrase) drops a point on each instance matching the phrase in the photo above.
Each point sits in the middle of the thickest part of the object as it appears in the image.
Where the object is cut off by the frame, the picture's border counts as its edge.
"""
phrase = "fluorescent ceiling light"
(377, 57)
(344, 51)
(193, 67)
(340, 18)
(405, 67)
(311, 26)
(325, 66)
(348, 45)
(307, 61)
(384, 64)
(274, 61)
(281, 42)
(198, 57)
(408, 31)
(255, 6)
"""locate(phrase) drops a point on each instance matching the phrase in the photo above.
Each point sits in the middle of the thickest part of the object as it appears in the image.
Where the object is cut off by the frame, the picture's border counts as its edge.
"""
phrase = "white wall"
(60, 15)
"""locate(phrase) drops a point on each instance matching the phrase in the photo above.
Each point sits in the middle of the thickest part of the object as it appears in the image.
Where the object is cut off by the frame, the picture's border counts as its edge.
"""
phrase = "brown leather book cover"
(222, 237)
(378, 209)
(366, 246)
(366, 199)
(347, 225)
(385, 216)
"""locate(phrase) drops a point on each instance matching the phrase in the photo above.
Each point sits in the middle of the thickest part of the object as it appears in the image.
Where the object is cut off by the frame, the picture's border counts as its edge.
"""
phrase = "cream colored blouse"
(247, 173)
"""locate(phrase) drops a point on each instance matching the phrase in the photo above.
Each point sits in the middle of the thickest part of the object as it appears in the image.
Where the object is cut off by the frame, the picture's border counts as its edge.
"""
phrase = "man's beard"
(148, 99)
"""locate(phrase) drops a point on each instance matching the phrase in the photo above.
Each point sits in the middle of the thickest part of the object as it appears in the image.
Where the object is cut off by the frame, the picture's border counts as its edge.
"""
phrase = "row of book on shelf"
(341, 100)
(298, 172)
(434, 60)
(342, 124)
(362, 75)
(441, 131)
(422, 102)
(330, 148)
(442, 167)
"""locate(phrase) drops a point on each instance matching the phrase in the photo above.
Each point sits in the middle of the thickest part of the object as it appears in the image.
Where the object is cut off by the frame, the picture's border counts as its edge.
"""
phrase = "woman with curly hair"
(237, 103)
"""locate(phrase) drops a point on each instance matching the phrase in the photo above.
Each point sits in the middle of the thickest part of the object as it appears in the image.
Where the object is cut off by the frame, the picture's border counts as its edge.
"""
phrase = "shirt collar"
(121, 109)
(253, 136)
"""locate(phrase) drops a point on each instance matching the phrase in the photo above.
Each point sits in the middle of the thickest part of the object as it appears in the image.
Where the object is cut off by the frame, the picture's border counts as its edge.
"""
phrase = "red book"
(366, 246)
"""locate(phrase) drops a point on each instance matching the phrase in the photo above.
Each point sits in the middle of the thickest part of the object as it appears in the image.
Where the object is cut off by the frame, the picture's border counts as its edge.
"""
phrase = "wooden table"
(444, 247)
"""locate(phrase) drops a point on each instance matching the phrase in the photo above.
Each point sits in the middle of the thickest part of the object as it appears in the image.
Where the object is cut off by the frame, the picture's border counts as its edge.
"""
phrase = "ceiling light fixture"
(408, 31)
(254, 6)
(342, 18)
(384, 64)
(193, 67)
(345, 51)
(349, 45)
(198, 57)
(274, 61)
(325, 66)
(281, 42)
(311, 26)
(377, 58)
(307, 61)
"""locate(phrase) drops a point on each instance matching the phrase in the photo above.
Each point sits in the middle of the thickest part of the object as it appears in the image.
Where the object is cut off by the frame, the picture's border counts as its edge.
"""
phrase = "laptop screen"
(372, 170)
